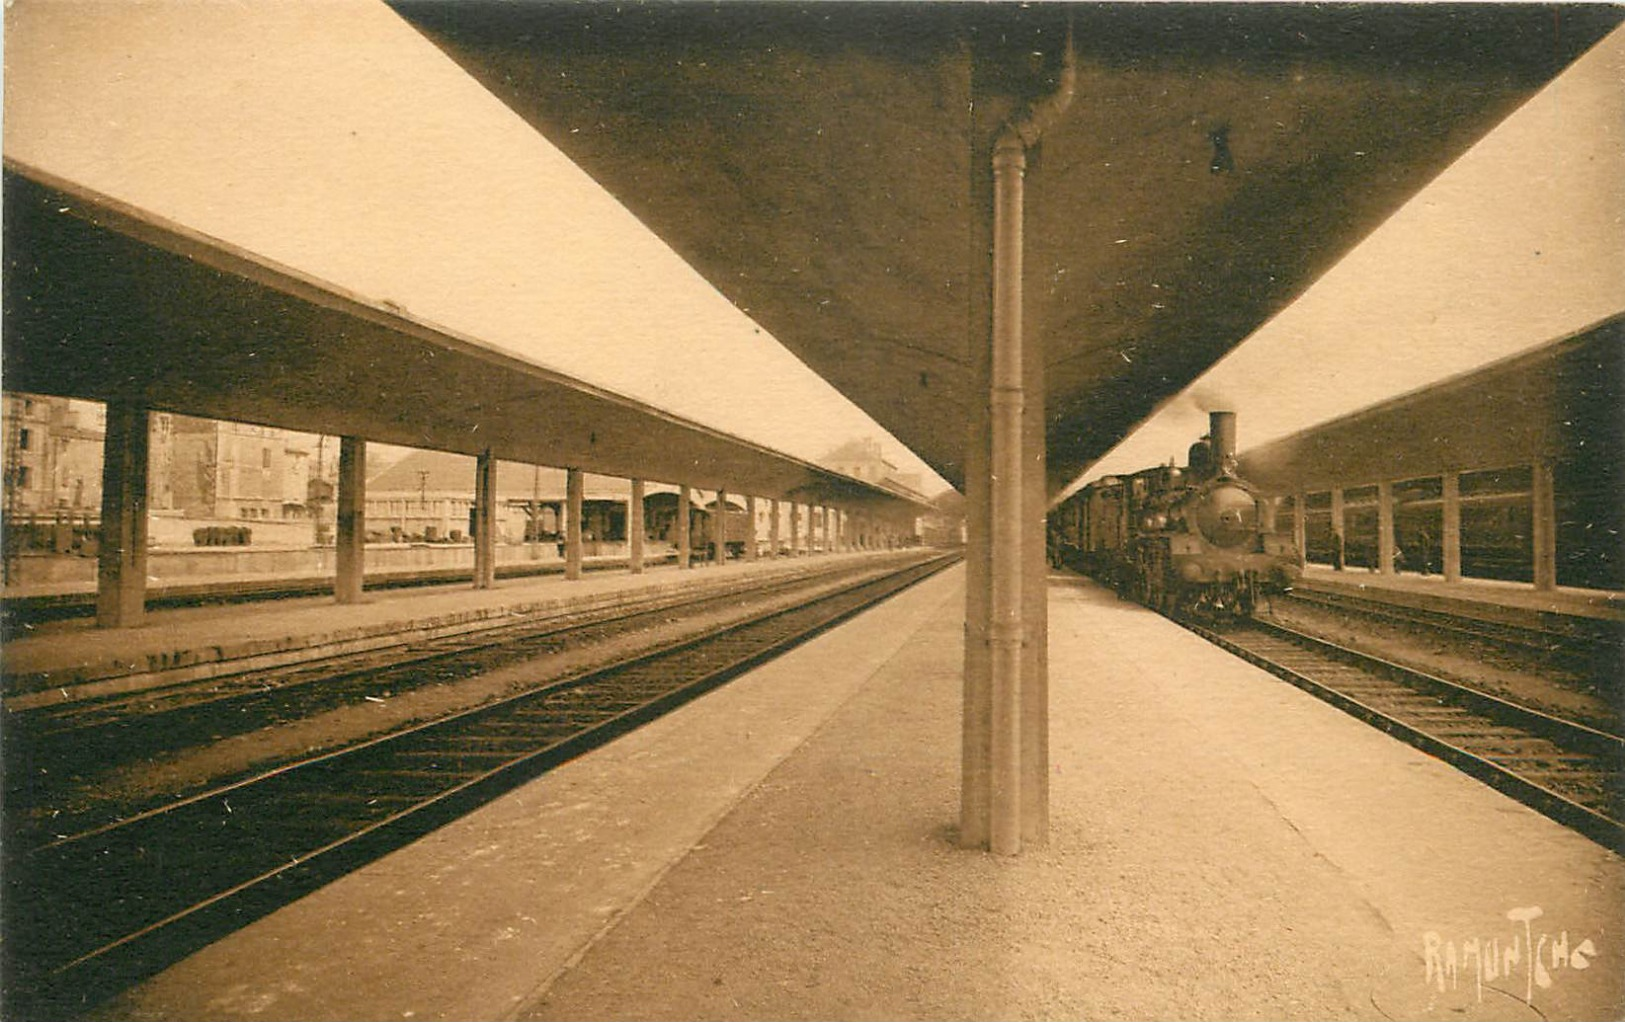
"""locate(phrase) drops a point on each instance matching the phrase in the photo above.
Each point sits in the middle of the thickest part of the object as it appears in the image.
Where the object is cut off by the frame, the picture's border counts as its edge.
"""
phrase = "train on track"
(661, 515)
(1193, 541)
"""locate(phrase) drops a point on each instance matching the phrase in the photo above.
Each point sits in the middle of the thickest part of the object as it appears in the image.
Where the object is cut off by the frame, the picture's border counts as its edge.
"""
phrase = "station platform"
(1222, 846)
(64, 660)
(1516, 603)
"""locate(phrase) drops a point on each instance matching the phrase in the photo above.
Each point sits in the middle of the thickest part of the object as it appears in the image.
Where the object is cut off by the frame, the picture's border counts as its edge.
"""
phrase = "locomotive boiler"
(1198, 540)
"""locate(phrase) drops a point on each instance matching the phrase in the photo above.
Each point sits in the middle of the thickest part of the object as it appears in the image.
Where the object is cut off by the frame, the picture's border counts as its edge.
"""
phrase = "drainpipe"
(1006, 631)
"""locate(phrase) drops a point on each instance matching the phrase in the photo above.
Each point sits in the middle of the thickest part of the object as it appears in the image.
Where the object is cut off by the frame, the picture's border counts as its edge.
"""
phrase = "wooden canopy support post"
(1543, 525)
(750, 527)
(719, 529)
(574, 492)
(1385, 527)
(121, 558)
(683, 552)
(350, 535)
(485, 520)
(635, 527)
(1450, 526)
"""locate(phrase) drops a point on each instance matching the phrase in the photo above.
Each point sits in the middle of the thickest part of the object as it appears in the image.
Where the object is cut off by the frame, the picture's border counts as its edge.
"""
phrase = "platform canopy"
(824, 166)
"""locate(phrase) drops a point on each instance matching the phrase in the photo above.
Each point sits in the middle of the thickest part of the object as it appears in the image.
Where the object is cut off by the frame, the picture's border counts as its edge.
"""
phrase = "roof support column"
(574, 491)
(750, 529)
(1339, 537)
(1005, 632)
(719, 529)
(1006, 730)
(635, 527)
(121, 559)
(1035, 771)
(976, 725)
(350, 529)
(683, 562)
(485, 520)
(773, 529)
(1385, 527)
(1450, 526)
(795, 527)
(1300, 527)
(1543, 524)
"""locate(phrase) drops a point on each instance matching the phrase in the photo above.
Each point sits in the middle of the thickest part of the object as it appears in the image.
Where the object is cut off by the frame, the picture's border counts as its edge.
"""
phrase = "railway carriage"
(1193, 540)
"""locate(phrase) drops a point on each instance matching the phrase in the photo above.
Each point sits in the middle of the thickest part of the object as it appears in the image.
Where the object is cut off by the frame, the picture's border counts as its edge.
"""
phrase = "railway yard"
(528, 511)
(159, 820)
(807, 892)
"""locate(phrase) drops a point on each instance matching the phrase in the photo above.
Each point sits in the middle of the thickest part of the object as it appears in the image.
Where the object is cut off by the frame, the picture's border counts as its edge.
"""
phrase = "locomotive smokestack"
(1222, 430)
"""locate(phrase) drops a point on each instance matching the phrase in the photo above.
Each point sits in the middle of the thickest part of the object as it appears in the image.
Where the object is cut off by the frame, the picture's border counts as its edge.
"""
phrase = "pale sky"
(333, 138)
(1519, 242)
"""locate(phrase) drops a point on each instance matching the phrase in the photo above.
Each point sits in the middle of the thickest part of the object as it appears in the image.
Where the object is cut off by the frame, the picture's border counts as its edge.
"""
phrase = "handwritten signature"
(1491, 958)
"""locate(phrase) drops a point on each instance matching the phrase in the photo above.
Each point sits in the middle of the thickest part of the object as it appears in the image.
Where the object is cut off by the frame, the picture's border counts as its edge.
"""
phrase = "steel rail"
(1579, 643)
(1606, 749)
(257, 682)
(95, 870)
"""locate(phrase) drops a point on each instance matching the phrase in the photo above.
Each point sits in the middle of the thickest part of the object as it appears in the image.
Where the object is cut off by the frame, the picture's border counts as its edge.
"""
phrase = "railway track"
(91, 911)
(1571, 773)
(89, 738)
(1579, 646)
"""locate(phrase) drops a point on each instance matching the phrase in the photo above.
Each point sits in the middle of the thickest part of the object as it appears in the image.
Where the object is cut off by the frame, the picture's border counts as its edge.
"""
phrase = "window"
(265, 458)
(22, 477)
(22, 439)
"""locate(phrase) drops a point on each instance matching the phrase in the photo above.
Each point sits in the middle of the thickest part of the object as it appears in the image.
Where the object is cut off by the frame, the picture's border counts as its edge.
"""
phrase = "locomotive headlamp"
(1228, 516)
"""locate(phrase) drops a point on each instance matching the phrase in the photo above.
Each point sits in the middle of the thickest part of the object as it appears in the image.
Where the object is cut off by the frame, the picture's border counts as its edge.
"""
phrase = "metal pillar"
(485, 520)
(683, 558)
(350, 530)
(635, 527)
(1035, 773)
(750, 530)
(1450, 526)
(773, 529)
(1005, 633)
(795, 528)
(574, 492)
(719, 528)
(121, 559)
(976, 766)
(1385, 527)
(1543, 525)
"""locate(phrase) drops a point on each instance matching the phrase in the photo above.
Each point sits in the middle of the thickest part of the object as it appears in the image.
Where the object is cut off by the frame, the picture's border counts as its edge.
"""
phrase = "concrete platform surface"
(1222, 846)
(71, 659)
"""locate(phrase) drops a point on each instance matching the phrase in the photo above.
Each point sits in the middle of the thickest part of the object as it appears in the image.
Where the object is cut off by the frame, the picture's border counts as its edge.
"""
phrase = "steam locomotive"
(1198, 541)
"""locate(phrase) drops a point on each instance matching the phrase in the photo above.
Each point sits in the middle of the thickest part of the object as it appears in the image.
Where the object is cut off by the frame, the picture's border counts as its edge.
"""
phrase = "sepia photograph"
(812, 509)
